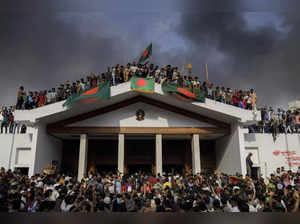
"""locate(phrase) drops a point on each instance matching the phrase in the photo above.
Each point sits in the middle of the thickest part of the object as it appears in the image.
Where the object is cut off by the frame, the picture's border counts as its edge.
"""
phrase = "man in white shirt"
(23, 199)
(48, 96)
(52, 95)
(252, 208)
(234, 204)
(277, 172)
(64, 207)
(111, 188)
(227, 207)
(82, 84)
(113, 74)
(133, 68)
(55, 194)
(174, 73)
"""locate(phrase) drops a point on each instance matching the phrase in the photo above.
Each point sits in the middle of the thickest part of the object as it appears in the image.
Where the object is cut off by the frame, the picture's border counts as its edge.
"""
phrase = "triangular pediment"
(159, 117)
(153, 117)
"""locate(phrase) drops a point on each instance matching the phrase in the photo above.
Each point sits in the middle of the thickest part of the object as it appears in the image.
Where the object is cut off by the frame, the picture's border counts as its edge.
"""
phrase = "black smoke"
(46, 43)
(42, 47)
(239, 56)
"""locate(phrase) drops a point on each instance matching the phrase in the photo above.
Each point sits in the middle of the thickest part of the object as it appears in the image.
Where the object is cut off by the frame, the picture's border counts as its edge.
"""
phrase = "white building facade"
(172, 134)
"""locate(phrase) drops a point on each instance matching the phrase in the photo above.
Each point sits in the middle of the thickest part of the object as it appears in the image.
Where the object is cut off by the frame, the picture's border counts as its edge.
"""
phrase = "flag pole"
(150, 60)
(206, 68)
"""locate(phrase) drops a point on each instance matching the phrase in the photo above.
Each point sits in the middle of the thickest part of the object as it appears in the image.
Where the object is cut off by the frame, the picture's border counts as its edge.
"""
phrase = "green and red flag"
(184, 93)
(102, 91)
(146, 54)
(145, 85)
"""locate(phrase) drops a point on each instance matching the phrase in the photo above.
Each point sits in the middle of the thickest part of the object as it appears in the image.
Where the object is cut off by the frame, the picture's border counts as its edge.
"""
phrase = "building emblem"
(140, 114)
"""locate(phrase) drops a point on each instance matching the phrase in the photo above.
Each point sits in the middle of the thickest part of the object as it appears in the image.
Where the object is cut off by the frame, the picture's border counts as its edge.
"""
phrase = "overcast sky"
(247, 44)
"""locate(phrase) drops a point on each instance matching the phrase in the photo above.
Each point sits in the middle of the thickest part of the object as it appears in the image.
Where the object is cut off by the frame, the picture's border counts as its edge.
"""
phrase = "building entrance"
(102, 155)
(174, 169)
(139, 168)
(177, 156)
(139, 155)
(106, 169)
(208, 155)
(23, 170)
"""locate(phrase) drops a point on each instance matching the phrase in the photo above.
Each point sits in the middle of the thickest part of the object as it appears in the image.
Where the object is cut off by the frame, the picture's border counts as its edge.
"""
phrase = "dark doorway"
(103, 155)
(139, 155)
(70, 157)
(208, 155)
(105, 169)
(23, 170)
(174, 169)
(255, 172)
(141, 168)
(177, 155)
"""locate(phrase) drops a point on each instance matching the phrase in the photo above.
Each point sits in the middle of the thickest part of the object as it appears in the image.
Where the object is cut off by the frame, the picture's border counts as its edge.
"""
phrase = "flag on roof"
(145, 85)
(102, 91)
(146, 54)
(184, 93)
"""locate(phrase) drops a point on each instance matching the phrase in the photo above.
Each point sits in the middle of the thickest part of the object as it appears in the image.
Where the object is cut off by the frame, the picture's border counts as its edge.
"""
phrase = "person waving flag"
(146, 54)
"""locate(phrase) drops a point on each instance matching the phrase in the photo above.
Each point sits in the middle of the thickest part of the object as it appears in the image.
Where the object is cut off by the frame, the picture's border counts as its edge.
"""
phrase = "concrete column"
(121, 153)
(83, 152)
(158, 154)
(196, 161)
(230, 151)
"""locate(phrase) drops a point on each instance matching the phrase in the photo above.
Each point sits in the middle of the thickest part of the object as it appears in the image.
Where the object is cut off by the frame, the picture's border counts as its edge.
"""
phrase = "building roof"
(211, 109)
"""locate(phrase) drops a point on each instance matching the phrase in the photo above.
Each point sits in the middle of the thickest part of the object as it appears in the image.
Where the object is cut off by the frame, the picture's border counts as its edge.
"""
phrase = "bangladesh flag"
(145, 85)
(184, 93)
(146, 54)
(102, 91)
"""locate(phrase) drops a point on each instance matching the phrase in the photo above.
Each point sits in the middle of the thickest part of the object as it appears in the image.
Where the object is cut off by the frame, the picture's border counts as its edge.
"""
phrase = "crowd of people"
(120, 74)
(272, 122)
(277, 122)
(8, 123)
(142, 192)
